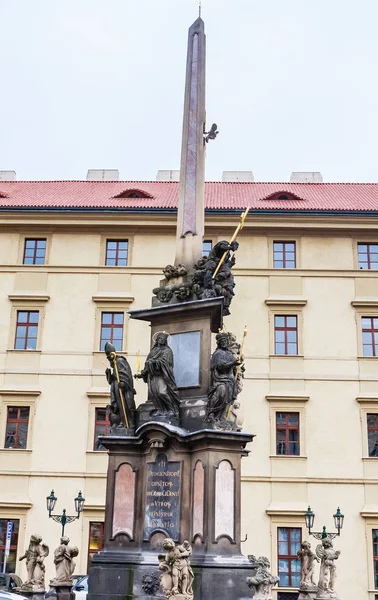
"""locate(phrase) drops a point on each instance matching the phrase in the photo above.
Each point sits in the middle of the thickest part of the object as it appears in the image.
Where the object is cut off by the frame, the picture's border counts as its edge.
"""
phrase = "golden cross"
(240, 226)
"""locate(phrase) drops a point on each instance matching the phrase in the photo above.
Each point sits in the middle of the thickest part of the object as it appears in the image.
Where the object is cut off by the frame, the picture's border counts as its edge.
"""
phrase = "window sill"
(288, 456)
(105, 452)
(25, 450)
(367, 357)
(286, 355)
(14, 350)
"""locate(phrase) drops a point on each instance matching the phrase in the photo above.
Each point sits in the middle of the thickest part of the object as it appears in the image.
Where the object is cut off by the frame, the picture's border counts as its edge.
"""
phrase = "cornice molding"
(367, 399)
(29, 297)
(116, 297)
(19, 392)
(15, 505)
(286, 511)
(285, 301)
(94, 508)
(371, 302)
(286, 398)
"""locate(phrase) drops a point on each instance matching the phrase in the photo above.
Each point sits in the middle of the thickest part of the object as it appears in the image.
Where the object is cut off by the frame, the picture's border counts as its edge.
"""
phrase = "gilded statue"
(177, 575)
(35, 556)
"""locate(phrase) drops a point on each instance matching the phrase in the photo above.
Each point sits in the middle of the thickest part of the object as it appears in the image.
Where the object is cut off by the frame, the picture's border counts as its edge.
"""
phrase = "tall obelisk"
(190, 217)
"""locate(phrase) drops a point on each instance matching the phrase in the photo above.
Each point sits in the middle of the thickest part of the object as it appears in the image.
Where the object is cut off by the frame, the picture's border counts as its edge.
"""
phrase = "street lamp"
(338, 518)
(64, 518)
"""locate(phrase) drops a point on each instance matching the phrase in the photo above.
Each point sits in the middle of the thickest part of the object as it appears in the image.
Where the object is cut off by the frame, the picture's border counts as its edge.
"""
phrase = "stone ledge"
(286, 398)
(286, 301)
(116, 297)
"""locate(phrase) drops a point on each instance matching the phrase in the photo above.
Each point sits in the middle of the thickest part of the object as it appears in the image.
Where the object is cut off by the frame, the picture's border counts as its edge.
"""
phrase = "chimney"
(103, 175)
(7, 175)
(306, 177)
(234, 176)
(168, 175)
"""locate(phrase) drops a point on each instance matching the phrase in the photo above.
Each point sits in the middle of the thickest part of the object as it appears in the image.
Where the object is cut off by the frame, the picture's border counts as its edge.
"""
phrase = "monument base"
(30, 594)
(308, 593)
(61, 592)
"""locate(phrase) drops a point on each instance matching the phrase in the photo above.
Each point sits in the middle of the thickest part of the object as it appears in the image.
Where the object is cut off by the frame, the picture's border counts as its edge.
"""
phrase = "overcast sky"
(292, 85)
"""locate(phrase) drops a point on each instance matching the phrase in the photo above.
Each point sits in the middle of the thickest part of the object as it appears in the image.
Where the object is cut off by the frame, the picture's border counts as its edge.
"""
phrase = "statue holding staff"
(122, 404)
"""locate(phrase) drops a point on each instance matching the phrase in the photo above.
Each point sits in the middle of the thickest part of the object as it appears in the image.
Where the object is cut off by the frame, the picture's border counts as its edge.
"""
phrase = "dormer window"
(133, 193)
(283, 195)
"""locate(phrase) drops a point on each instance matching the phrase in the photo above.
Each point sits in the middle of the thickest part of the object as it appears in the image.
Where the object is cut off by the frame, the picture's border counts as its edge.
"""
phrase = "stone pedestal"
(61, 592)
(168, 482)
(308, 593)
(30, 594)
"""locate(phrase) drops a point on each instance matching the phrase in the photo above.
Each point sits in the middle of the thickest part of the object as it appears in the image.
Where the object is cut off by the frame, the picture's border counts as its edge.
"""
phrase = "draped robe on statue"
(158, 374)
(223, 384)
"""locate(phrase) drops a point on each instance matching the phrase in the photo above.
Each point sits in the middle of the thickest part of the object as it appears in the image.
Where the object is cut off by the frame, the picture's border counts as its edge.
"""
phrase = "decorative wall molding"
(116, 297)
(29, 297)
(289, 398)
(285, 301)
(368, 302)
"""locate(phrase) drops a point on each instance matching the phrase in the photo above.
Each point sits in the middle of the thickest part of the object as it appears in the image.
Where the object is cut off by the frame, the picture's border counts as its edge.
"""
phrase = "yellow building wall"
(329, 383)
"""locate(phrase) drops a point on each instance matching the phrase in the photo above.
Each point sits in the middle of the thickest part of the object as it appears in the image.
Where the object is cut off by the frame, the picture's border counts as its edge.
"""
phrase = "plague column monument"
(172, 516)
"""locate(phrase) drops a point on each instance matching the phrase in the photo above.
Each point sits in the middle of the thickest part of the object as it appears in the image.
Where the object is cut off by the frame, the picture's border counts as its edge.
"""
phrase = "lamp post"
(338, 518)
(64, 518)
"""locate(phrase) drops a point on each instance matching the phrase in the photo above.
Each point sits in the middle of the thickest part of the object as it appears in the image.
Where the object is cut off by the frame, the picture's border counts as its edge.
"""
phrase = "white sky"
(292, 85)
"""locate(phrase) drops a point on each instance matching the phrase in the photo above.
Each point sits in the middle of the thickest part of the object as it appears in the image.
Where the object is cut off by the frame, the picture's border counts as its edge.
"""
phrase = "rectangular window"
(369, 336)
(116, 253)
(289, 568)
(287, 433)
(375, 556)
(11, 558)
(207, 246)
(26, 330)
(287, 596)
(111, 330)
(367, 256)
(284, 255)
(102, 425)
(34, 252)
(96, 540)
(285, 335)
(16, 435)
(372, 428)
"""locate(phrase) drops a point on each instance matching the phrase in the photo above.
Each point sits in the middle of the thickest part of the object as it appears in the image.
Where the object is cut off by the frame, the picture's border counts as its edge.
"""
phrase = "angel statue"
(307, 558)
(177, 575)
(64, 563)
(327, 575)
(35, 555)
(263, 581)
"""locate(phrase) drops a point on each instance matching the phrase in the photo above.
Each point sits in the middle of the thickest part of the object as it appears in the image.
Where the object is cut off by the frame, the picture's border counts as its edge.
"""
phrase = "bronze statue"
(223, 390)
(122, 404)
(177, 575)
(158, 374)
(64, 563)
(35, 555)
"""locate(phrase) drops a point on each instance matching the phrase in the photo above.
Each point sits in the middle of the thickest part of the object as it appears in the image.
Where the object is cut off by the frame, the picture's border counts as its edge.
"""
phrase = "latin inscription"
(163, 497)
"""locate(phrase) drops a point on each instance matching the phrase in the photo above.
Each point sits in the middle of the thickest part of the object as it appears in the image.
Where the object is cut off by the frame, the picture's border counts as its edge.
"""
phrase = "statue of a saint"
(158, 374)
(177, 575)
(121, 390)
(223, 389)
(35, 555)
(64, 563)
(327, 574)
(307, 558)
(263, 581)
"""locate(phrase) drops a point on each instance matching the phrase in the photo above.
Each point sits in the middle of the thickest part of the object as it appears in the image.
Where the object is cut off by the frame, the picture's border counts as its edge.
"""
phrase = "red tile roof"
(94, 195)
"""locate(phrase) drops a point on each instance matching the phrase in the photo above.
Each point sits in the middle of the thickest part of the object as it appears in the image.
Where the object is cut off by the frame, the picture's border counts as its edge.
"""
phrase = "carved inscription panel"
(163, 497)
(224, 500)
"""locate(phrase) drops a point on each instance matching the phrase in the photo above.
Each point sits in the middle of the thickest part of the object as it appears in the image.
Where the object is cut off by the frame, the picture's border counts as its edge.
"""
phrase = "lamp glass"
(51, 501)
(309, 518)
(339, 519)
(79, 503)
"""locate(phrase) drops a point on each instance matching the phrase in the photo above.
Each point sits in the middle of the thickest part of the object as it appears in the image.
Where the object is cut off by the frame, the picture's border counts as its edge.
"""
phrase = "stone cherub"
(125, 387)
(159, 376)
(307, 558)
(177, 575)
(35, 555)
(223, 389)
(327, 574)
(263, 581)
(64, 563)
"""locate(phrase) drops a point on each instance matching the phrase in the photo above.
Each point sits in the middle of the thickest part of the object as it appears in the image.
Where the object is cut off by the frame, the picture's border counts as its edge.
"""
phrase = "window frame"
(105, 423)
(368, 256)
(287, 428)
(93, 553)
(286, 329)
(288, 557)
(116, 241)
(27, 324)
(284, 252)
(207, 241)
(374, 336)
(18, 421)
(112, 326)
(35, 250)
(287, 404)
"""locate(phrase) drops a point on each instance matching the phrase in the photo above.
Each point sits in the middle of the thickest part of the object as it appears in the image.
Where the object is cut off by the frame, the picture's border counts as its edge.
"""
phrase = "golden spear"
(240, 226)
(137, 362)
(113, 356)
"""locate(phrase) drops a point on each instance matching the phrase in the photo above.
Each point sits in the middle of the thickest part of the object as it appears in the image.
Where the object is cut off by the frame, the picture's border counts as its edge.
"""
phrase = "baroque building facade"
(77, 256)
